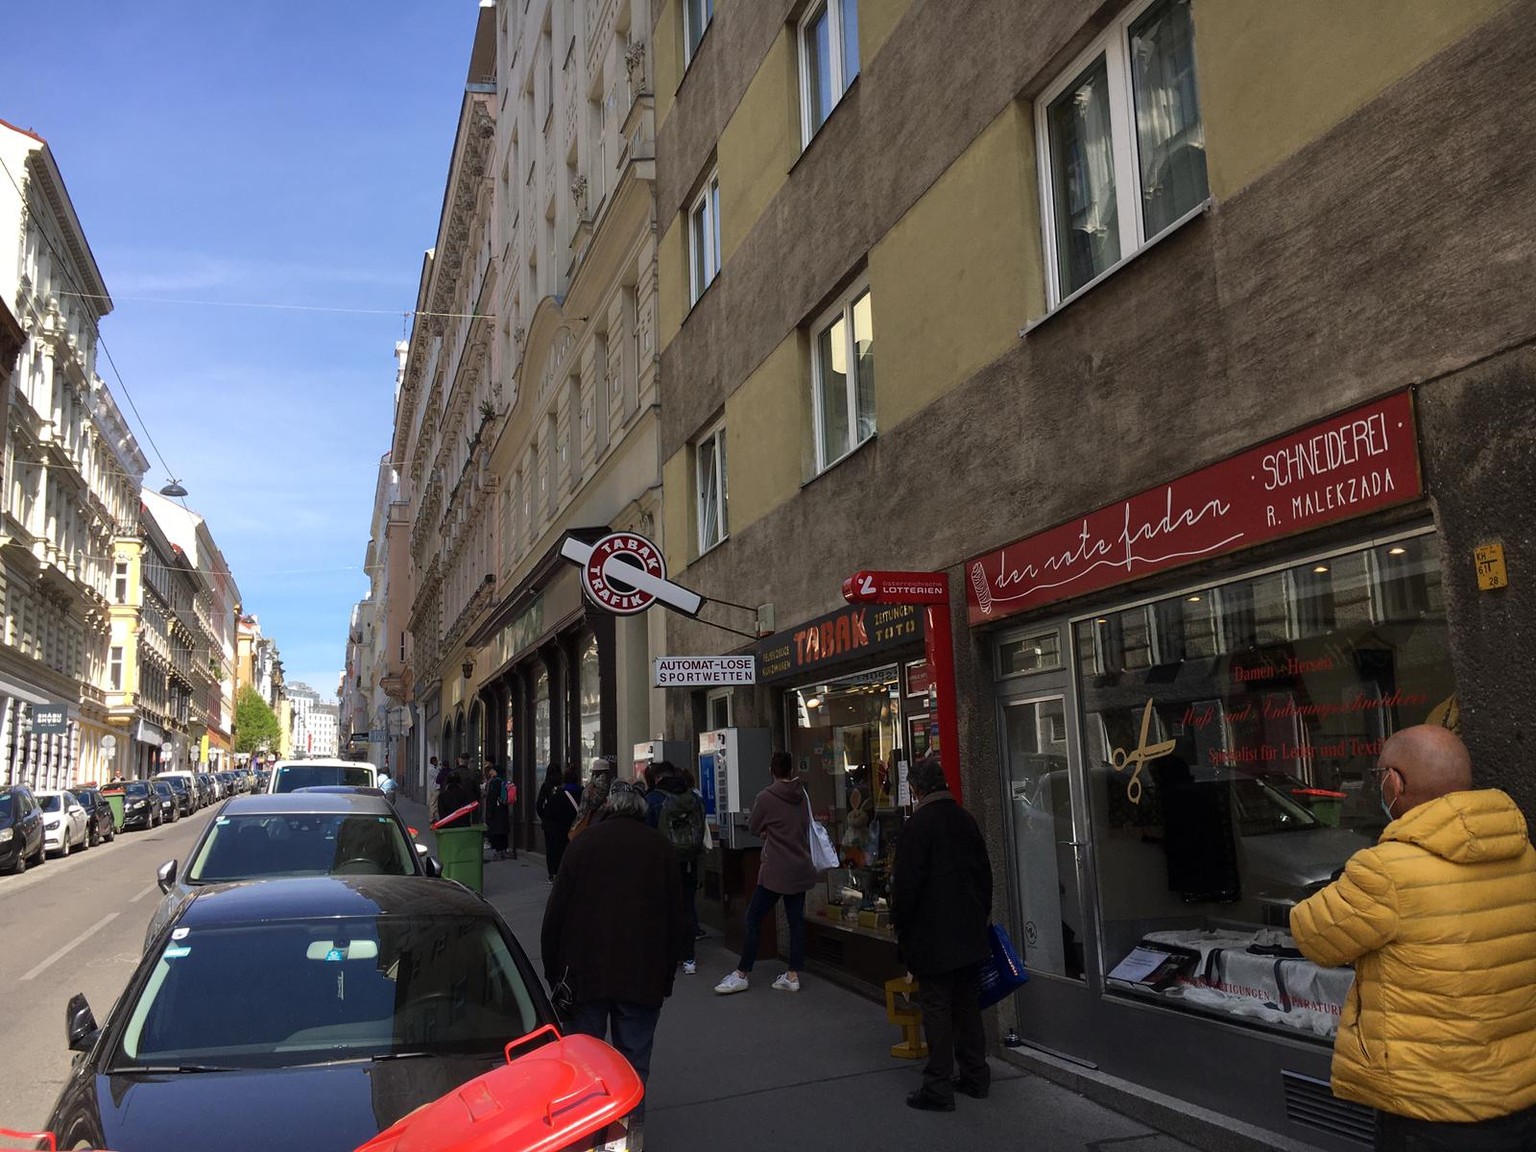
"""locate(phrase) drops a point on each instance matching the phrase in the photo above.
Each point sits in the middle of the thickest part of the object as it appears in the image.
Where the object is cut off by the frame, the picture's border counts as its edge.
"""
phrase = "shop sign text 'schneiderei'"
(857, 631)
(1349, 465)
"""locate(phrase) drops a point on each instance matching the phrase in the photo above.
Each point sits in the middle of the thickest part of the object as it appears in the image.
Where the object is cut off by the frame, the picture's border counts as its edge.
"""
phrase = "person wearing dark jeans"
(941, 897)
(613, 929)
(781, 819)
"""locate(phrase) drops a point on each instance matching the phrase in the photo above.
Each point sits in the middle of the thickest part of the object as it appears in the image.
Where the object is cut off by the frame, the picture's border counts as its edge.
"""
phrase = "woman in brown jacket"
(781, 819)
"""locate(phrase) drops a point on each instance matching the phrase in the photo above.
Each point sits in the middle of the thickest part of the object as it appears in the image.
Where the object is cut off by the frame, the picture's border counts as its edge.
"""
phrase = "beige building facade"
(1204, 375)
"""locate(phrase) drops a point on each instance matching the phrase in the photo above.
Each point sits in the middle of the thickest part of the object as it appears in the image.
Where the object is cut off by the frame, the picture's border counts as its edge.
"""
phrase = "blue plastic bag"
(1004, 974)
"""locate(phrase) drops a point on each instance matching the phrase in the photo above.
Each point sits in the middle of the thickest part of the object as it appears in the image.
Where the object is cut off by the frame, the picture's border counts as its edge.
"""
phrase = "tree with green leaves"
(256, 727)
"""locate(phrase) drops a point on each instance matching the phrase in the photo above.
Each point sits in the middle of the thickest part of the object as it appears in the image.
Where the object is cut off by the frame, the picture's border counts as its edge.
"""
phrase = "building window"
(843, 378)
(1254, 780)
(120, 582)
(1122, 145)
(704, 236)
(115, 669)
(709, 470)
(696, 17)
(829, 60)
(590, 687)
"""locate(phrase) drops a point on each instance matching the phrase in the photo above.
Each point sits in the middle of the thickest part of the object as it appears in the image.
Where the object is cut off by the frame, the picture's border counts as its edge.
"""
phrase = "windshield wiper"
(164, 1068)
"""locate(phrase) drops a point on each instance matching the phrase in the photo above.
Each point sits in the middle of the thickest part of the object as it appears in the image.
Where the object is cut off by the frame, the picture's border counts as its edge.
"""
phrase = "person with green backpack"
(675, 810)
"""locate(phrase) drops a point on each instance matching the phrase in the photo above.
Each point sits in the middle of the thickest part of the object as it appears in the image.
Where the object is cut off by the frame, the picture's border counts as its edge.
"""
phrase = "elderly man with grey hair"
(941, 898)
(615, 927)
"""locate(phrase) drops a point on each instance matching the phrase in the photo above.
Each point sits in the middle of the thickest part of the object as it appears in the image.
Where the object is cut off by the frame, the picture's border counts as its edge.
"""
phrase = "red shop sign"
(1349, 465)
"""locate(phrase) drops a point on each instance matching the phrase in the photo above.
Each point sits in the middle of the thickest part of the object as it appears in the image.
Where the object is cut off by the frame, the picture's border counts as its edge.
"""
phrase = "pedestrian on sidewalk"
(593, 797)
(556, 807)
(493, 802)
(941, 898)
(614, 927)
(439, 778)
(677, 812)
(781, 819)
(456, 793)
(1438, 919)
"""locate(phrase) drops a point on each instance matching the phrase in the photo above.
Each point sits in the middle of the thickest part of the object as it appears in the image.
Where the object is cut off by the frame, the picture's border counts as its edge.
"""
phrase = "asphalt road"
(73, 925)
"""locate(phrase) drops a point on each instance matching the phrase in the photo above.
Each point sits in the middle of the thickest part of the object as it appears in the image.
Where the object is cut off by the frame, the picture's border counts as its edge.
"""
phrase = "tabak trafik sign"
(1349, 465)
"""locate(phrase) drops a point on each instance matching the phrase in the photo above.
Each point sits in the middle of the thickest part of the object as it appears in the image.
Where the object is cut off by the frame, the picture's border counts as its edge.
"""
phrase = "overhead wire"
(65, 265)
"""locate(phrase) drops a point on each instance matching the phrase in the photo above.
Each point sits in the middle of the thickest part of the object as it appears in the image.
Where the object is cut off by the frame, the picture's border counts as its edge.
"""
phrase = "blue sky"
(282, 153)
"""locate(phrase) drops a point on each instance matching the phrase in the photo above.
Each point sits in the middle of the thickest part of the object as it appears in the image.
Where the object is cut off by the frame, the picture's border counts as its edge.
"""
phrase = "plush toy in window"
(855, 840)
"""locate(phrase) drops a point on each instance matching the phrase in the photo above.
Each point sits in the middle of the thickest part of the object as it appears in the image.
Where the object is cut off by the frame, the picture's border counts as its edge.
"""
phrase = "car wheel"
(85, 841)
(21, 861)
(42, 853)
(64, 844)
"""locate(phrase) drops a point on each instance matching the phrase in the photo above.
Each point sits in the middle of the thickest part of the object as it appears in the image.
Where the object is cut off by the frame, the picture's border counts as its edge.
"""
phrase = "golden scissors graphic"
(1138, 757)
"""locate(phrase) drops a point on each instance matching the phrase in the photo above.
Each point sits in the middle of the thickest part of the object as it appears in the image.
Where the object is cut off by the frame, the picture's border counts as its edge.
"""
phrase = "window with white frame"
(696, 17)
(709, 471)
(115, 668)
(843, 378)
(1121, 143)
(829, 60)
(704, 236)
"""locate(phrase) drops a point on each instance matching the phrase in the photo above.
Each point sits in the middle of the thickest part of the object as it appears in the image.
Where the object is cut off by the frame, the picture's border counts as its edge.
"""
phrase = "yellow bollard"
(908, 1017)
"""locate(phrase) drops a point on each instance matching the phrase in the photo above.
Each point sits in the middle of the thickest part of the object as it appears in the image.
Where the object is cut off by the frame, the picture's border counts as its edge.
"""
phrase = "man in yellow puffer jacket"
(1439, 920)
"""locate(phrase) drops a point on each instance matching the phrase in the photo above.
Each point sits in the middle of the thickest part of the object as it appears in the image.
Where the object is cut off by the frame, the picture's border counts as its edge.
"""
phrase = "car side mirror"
(166, 876)
(430, 866)
(79, 1024)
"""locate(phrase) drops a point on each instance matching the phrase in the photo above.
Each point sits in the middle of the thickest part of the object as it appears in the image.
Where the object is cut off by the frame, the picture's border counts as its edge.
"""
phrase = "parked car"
(170, 807)
(291, 775)
(328, 1007)
(295, 834)
(99, 822)
(65, 824)
(141, 805)
(21, 829)
(181, 779)
(185, 804)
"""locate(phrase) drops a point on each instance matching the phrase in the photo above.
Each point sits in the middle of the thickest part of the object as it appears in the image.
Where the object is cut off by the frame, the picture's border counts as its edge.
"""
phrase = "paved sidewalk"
(810, 1071)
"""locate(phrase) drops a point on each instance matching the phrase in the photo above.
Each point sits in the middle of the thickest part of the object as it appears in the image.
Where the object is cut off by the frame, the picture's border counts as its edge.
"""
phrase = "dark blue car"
(21, 829)
(320, 1010)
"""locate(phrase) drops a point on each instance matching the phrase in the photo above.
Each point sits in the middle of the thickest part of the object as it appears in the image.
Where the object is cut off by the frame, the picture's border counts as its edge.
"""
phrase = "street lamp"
(174, 489)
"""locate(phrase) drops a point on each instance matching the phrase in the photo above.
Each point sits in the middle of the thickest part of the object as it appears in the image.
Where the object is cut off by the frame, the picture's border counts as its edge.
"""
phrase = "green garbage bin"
(115, 802)
(460, 852)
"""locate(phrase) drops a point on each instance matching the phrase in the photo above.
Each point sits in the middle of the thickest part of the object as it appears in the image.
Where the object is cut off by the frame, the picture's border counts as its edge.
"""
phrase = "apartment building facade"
(168, 650)
(1205, 377)
(527, 408)
(71, 477)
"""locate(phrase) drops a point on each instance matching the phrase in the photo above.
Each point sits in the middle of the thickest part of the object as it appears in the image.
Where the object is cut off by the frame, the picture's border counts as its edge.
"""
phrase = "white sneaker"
(787, 983)
(690, 968)
(732, 983)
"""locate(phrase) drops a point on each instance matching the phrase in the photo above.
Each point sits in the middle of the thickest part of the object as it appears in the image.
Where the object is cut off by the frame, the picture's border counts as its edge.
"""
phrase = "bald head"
(1429, 762)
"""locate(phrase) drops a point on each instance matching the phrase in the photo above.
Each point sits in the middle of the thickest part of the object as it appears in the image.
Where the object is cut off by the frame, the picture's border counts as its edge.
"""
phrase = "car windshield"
(289, 993)
(1262, 808)
(49, 803)
(5, 805)
(296, 776)
(246, 847)
(136, 788)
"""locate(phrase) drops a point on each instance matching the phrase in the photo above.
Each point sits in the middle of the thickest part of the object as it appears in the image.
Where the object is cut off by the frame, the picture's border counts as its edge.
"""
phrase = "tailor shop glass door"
(1048, 849)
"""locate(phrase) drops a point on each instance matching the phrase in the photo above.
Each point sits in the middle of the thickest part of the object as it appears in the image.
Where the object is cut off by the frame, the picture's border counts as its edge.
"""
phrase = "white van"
(291, 775)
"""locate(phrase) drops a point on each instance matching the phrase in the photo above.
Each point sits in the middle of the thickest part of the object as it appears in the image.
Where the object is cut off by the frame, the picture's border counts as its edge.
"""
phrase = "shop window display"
(1229, 735)
(845, 736)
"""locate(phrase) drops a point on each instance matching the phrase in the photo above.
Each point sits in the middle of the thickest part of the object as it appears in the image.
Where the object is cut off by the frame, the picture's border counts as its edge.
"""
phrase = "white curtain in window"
(1083, 172)
(1170, 135)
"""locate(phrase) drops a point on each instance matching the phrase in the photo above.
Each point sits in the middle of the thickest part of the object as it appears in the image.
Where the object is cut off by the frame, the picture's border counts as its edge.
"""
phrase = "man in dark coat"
(614, 927)
(941, 898)
(670, 799)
